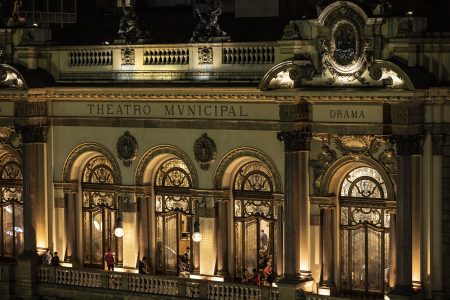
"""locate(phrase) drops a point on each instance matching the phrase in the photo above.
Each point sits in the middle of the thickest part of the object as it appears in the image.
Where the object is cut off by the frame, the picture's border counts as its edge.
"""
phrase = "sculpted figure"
(208, 25)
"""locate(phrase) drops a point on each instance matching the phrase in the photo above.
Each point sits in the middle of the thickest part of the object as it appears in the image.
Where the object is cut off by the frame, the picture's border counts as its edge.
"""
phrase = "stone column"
(222, 238)
(143, 227)
(279, 265)
(34, 207)
(34, 183)
(326, 236)
(406, 145)
(195, 246)
(436, 235)
(296, 154)
(392, 251)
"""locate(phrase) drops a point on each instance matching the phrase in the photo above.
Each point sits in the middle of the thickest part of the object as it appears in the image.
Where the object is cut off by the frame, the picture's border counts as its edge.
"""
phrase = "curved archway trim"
(90, 147)
(241, 152)
(348, 163)
(165, 149)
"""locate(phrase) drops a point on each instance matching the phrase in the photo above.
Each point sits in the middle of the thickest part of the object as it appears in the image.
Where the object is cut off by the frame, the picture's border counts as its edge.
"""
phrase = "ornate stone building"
(323, 153)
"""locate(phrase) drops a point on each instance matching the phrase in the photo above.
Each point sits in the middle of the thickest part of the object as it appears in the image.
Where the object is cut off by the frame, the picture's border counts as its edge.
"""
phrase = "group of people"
(49, 259)
(264, 277)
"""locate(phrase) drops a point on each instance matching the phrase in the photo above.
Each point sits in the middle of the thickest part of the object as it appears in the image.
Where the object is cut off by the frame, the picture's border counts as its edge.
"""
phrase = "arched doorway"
(11, 204)
(364, 231)
(174, 209)
(255, 218)
(100, 212)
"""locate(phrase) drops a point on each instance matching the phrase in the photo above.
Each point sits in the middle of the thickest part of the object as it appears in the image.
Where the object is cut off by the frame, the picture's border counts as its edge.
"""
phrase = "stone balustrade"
(163, 62)
(158, 285)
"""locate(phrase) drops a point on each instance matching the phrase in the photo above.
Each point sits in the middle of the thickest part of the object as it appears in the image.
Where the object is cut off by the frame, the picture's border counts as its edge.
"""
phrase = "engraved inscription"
(347, 114)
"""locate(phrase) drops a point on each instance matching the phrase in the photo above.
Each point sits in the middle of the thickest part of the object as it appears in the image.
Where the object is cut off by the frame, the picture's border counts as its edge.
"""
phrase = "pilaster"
(406, 146)
(296, 242)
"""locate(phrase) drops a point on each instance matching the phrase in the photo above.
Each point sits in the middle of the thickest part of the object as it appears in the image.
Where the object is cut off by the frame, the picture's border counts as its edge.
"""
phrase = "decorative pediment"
(10, 77)
(287, 74)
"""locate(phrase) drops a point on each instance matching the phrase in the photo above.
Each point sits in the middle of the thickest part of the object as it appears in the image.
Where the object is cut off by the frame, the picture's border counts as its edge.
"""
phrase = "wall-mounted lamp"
(197, 236)
(119, 228)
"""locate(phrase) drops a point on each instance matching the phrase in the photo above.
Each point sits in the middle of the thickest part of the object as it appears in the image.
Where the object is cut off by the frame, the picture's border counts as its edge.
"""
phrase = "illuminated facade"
(333, 169)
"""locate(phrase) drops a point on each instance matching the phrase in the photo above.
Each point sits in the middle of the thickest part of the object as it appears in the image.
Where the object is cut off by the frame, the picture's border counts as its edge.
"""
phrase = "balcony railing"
(163, 62)
(159, 285)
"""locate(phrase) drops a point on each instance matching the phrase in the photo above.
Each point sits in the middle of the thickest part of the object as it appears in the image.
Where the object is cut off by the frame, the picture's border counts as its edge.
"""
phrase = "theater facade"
(323, 153)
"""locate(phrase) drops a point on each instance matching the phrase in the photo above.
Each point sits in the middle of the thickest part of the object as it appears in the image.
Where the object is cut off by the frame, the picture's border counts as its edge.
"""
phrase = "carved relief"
(357, 145)
(127, 55)
(324, 159)
(295, 140)
(205, 151)
(388, 159)
(205, 55)
(287, 74)
(7, 135)
(127, 147)
(345, 50)
(10, 77)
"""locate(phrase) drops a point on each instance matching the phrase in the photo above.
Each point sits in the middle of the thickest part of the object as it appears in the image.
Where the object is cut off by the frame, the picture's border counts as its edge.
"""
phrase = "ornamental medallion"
(127, 148)
(205, 151)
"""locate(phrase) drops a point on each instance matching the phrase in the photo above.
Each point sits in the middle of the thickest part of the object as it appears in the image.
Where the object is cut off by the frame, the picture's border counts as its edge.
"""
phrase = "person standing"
(55, 259)
(143, 266)
(109, 259)
(47, 259)
(263, 238)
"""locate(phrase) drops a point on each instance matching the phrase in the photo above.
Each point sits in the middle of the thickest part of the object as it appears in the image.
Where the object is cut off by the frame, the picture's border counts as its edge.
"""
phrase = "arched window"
(100, 209)
(364, 232)
(255, 218)
(174, 210)
(11, 203)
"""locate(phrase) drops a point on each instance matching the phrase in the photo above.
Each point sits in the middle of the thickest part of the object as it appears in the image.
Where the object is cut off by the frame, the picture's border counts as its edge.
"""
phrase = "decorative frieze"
(357, 145)
(164, 56)
(295, 140)
(85, 58)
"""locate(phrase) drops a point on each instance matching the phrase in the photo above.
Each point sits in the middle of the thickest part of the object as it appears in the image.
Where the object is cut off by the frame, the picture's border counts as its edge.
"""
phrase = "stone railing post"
(203, 289)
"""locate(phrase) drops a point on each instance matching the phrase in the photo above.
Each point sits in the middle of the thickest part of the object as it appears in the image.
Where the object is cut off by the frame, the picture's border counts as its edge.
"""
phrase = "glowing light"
(18, 229)
(9, 209)
(197, 237)
(97, 225)
(324, 291)
(118, 232)
(410, 13)
(35, 25)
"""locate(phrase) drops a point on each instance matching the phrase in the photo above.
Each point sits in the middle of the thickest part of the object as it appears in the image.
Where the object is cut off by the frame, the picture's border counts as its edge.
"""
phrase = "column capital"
(438, 140)
(33, 134)
(408, 144)
(295, 140)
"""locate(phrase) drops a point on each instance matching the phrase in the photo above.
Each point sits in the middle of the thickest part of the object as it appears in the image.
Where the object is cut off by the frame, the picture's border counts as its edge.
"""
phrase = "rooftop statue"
(207, 29)
(129, 29)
